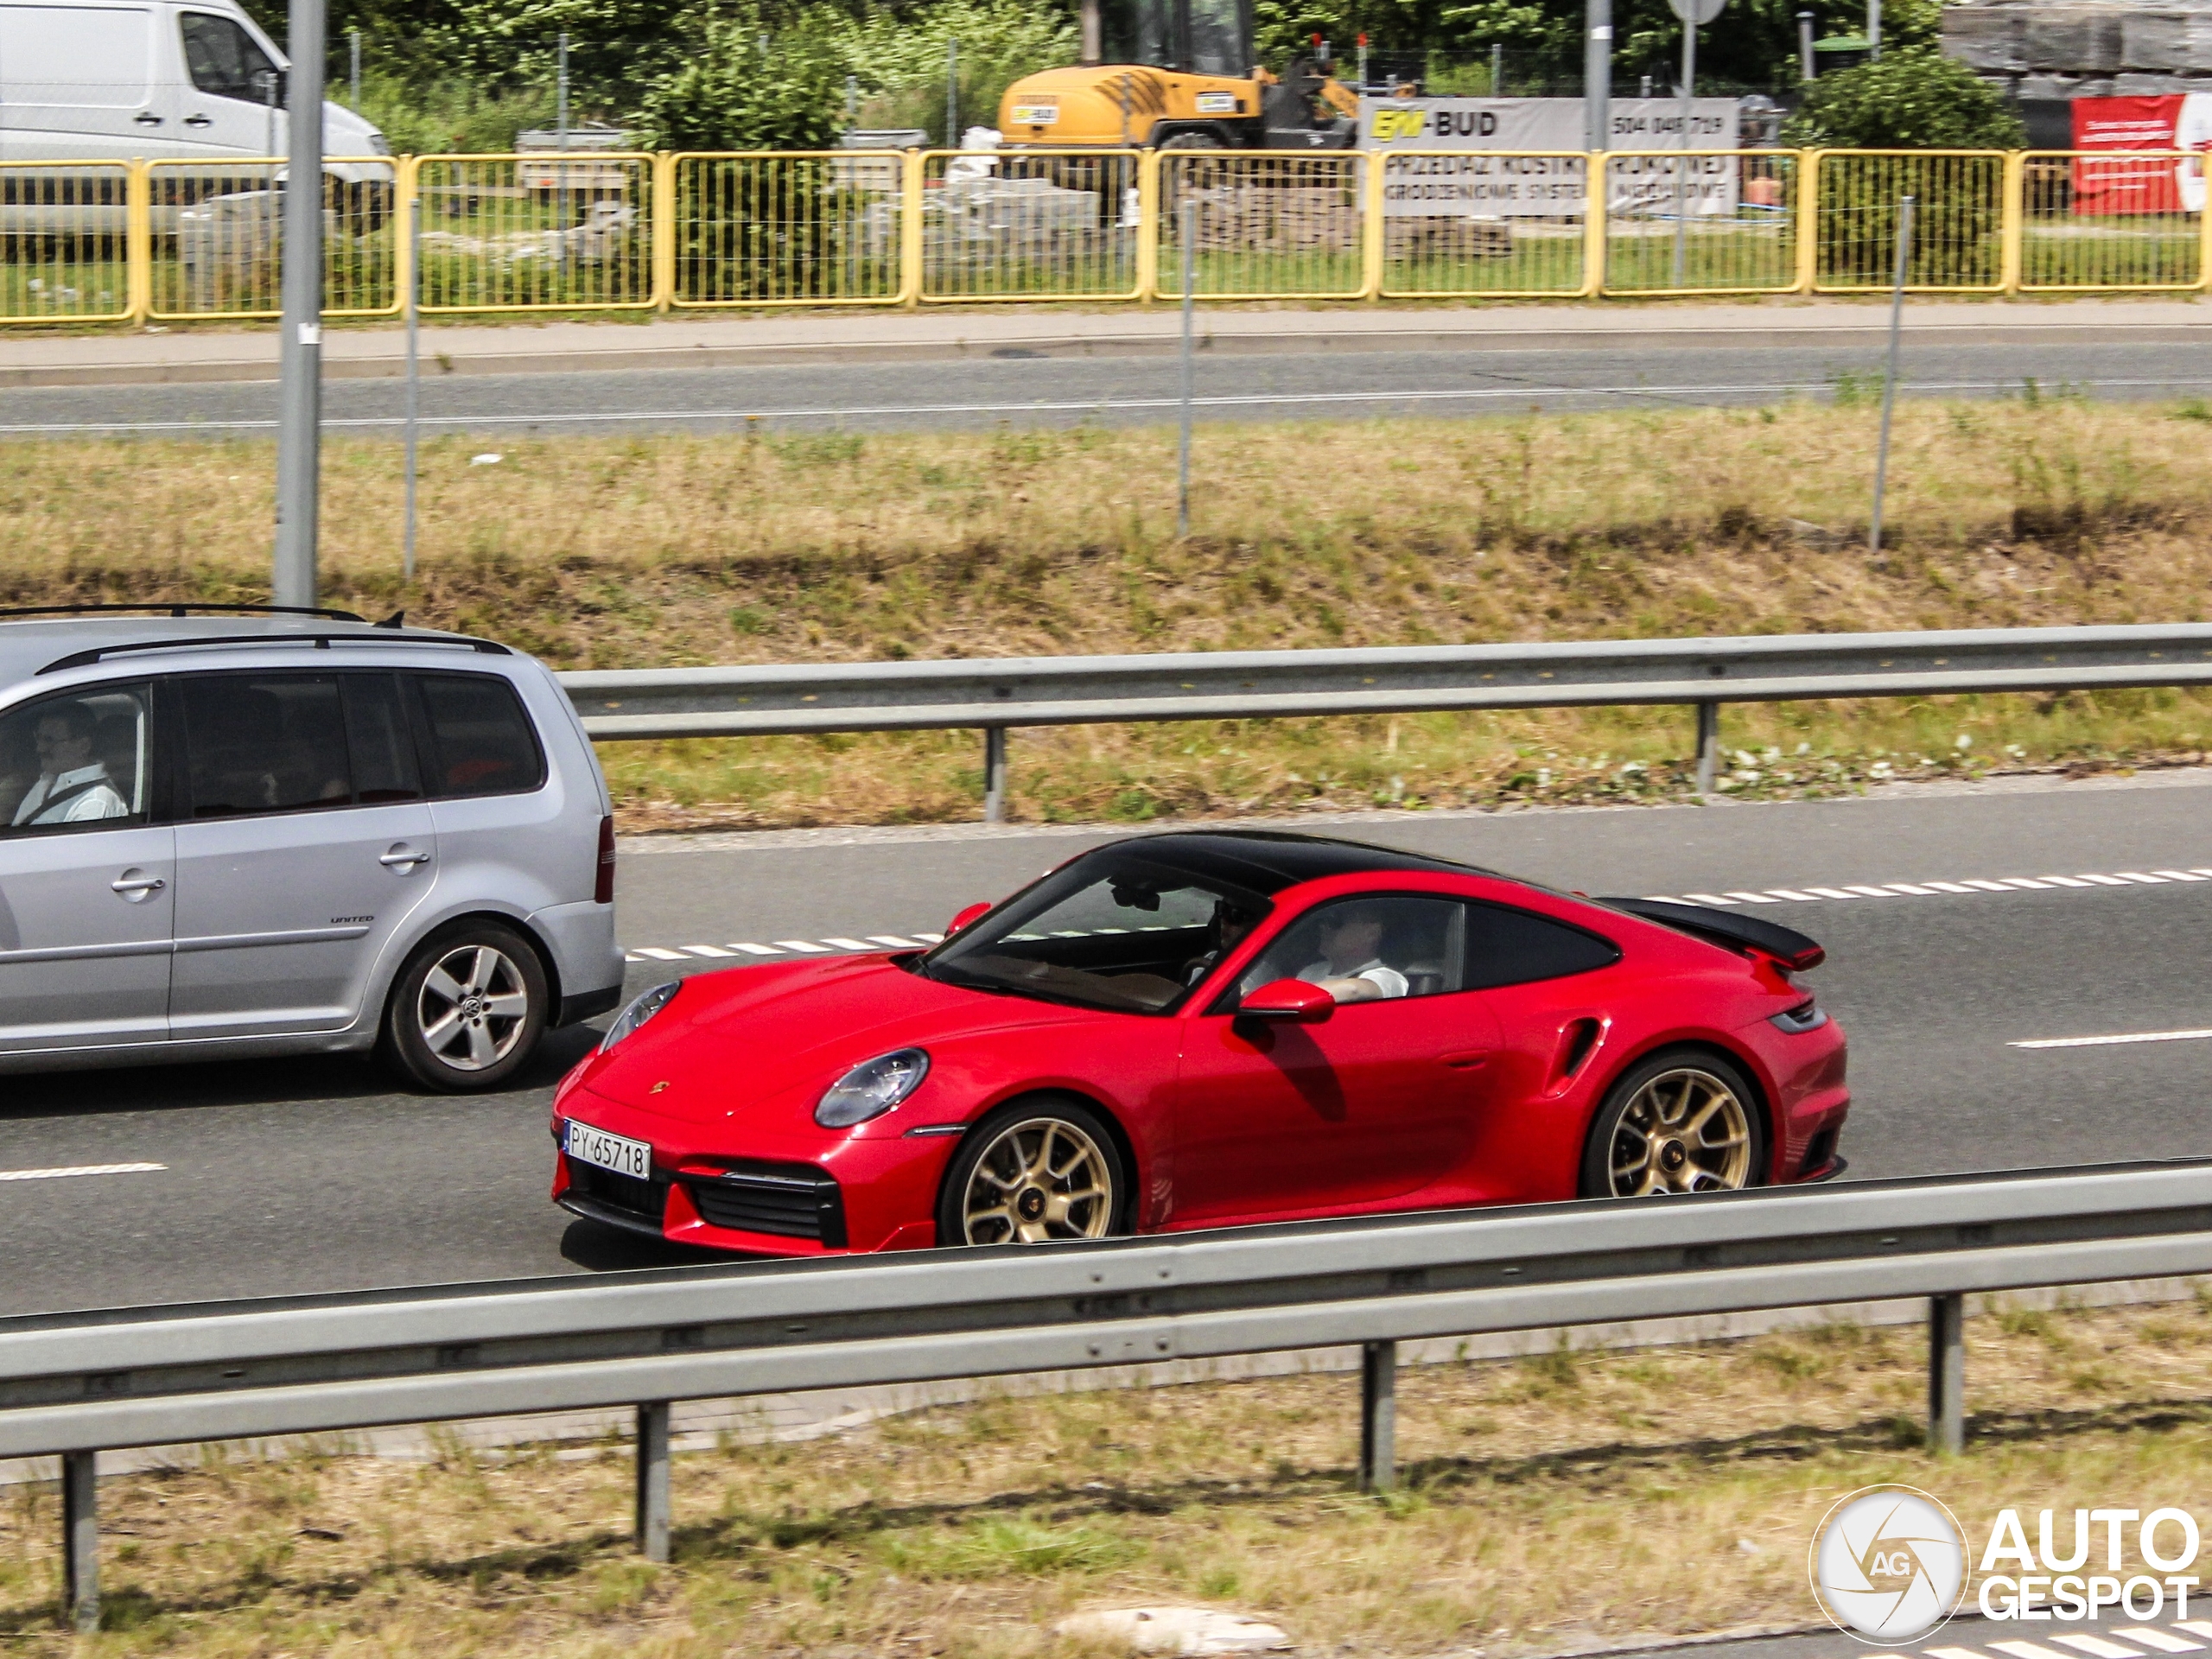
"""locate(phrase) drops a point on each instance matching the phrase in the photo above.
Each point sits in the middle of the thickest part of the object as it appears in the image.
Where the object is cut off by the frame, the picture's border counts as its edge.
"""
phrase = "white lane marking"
(2097, 1648)
(2195, 1626)
(1973, 887)
(2164, 1641)
(79, 1169)
(1952, 1653)
(2104, 1042)
(2027, 1651)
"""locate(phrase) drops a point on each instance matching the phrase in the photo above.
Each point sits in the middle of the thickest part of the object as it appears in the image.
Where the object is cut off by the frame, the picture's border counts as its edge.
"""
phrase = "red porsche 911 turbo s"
(1195, 1029)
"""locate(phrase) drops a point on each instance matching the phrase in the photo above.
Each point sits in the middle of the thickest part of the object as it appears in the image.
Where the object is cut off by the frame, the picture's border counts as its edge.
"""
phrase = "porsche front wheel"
(1676, 1124)
(1039, 1174)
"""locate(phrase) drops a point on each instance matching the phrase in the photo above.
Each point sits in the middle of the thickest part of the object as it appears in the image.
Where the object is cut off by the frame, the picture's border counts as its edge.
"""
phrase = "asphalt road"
(312, 1175)
(1024, 388)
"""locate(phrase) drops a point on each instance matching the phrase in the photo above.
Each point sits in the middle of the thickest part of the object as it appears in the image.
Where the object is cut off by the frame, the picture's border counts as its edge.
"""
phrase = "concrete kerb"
(702, 1424)
(568, 347)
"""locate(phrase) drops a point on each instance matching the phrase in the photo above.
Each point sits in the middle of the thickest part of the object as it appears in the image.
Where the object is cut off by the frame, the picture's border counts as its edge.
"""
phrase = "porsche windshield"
(1108, 931)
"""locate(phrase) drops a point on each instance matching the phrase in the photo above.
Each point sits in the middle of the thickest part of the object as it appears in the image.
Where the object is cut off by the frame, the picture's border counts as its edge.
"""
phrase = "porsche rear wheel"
(1676, 1124)
(1041, 1173)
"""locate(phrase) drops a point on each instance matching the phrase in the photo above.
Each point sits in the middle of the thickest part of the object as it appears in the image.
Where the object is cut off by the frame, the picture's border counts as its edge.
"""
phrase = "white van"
(117, 79)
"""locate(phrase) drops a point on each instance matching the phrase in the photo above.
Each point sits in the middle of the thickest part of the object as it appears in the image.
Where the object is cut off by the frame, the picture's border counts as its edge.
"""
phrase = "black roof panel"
(1268, 860)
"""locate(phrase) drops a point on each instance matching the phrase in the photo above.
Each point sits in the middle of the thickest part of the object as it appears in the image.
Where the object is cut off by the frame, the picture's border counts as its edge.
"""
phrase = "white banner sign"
(1545, 186)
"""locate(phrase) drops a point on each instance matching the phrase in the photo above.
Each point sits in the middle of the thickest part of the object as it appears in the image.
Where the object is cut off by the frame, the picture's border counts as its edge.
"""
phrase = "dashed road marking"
(79, 1169)
(2120, 1037)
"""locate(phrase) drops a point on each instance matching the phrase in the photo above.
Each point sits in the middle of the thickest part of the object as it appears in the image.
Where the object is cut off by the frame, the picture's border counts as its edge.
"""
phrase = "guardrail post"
(664, 232)
(1597, 254)
(2012, 223)
(910, 231)
(1808, 220)
(1947, 1373)
(1378, 1416)
(80, 1541)
(652, 1480)
(1147, 225)
(1370, 224)
(139, 243)
(993, 774)
(1708, 746)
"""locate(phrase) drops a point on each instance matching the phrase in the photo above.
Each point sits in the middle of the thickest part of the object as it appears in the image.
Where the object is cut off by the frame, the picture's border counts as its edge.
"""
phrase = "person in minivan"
(72, 784)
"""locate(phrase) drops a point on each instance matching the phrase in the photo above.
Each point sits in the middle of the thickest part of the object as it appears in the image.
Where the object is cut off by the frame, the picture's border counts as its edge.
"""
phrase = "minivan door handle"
(135, 885)
(403, 858)
(150, 119)
(199, 121)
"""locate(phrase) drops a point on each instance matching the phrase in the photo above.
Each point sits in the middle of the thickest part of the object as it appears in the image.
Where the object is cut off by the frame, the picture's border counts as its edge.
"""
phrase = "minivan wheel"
(466, 1011)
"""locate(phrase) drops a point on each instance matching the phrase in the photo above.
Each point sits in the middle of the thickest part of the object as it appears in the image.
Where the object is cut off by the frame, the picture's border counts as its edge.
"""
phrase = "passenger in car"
(72, 784)
(1350, 968)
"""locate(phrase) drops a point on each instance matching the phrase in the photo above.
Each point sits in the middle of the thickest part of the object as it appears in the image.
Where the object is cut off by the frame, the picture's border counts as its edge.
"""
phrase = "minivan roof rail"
(321, 641)
(184, 607)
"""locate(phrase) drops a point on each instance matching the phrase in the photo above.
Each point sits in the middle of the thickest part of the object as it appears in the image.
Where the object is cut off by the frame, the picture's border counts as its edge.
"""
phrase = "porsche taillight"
(603, 891)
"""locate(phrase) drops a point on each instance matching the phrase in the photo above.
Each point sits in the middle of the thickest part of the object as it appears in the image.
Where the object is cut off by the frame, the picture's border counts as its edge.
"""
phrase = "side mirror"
(1290, 1000)
(968, 917)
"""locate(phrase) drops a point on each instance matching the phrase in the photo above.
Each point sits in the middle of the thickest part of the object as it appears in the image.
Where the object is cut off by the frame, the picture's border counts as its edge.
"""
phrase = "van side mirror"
(968, 917)
(1292, 1001)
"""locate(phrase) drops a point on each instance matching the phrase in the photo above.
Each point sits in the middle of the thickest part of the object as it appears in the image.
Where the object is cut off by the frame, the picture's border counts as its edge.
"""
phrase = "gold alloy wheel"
(1039, 1181)
(1684, 1131)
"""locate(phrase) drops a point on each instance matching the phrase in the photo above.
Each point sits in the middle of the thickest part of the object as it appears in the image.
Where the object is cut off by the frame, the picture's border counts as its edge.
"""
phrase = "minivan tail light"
(602, 890)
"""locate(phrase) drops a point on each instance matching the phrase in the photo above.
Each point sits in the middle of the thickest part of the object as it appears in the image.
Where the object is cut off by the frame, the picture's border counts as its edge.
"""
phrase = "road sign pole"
(299, 432)
(1597, 74)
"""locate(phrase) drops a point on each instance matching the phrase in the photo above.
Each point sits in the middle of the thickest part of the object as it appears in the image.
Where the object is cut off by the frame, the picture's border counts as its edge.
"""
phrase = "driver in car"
(1351, 970)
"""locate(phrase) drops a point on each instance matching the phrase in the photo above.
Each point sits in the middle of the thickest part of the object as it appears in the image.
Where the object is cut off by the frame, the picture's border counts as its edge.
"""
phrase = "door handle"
(1465, 1059)
(150, 119)
(128, 884)
(403, 858)
(199, 121)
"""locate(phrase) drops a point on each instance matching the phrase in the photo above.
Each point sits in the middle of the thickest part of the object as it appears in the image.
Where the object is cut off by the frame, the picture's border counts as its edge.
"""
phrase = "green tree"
(1912, 100)
(749, 80)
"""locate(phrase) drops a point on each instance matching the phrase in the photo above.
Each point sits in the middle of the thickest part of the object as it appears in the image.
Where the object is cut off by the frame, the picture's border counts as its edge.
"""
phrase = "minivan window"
(376, 735)
(257, 743)
(76, 761)
(482, 743)
(225, 60)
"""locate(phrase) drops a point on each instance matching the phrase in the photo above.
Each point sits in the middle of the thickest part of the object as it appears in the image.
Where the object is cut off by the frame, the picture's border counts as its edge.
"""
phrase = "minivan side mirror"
(968, 917)
(1292, 1001)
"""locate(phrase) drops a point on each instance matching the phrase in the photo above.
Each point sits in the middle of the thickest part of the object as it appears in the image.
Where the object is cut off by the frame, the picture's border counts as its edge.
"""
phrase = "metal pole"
(1805, 69)
(1189, 236)
(1708, 746)
(1597, 74)
(560, 128)
(1497, 70)
(1890, 378)
(652, 1480)
(1683, 161)
(1378, 1416)
(414, 363)
(80, 1541)
(1947, 1373)
(1874, 31)
(353, 43)
(299, 434)
(952, 93)
(993, 774)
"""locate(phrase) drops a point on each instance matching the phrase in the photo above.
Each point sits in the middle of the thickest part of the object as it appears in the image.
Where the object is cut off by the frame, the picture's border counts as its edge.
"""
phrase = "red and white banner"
(2143, 183)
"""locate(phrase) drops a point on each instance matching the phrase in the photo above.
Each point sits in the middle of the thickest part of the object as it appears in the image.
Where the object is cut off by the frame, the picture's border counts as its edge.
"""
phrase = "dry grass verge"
(617, 552)
(1569, 1498)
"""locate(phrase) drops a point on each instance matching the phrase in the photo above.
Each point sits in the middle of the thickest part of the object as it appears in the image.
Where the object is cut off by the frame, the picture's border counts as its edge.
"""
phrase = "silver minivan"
(279, 833)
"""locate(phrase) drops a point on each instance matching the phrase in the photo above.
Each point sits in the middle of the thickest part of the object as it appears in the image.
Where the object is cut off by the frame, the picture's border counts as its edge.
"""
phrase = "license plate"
(1036, 115)
(618, 1153)
(1217, 102)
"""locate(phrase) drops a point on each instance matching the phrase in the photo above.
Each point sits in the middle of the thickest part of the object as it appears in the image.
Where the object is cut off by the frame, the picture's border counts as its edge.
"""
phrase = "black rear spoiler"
(1730, 929)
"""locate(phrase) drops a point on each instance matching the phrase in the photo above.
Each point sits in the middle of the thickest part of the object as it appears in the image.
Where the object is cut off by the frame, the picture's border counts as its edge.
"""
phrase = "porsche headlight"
(872, 1089)
(642, 1007)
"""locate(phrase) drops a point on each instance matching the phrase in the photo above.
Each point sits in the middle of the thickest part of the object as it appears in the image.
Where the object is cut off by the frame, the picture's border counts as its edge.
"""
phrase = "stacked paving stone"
(2081, 48)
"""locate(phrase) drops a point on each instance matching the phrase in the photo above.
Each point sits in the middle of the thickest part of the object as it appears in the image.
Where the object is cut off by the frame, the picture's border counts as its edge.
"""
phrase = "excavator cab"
(1177, 75)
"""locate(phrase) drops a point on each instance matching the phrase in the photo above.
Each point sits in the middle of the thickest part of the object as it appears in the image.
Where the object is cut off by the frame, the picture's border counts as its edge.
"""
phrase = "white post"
(414, 363)
(1497, 70)
(299, 432)
(1890, 380)
(952, 93)
(1682, 163)
(353, 43)
(1874, 31)
(1189, 231)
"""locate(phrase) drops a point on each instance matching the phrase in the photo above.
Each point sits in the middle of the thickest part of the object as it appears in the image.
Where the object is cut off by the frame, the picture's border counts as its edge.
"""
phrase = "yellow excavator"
(1178, 75)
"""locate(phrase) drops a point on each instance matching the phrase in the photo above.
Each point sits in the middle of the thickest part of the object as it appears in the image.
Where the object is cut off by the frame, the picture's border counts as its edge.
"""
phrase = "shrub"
(1912, 100)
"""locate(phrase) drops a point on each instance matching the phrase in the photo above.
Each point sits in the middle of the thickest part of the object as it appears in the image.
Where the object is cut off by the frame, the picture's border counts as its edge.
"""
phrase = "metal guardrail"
(598, 231)
(75, 1383)
(997, 693)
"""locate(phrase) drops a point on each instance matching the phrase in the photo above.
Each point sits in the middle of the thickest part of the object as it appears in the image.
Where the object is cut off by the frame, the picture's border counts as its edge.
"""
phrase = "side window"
(76, 761)
(1399, 944)
(223, 60)
(379, 740)
(257, 743)
(1511, 947)
(482, 743)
